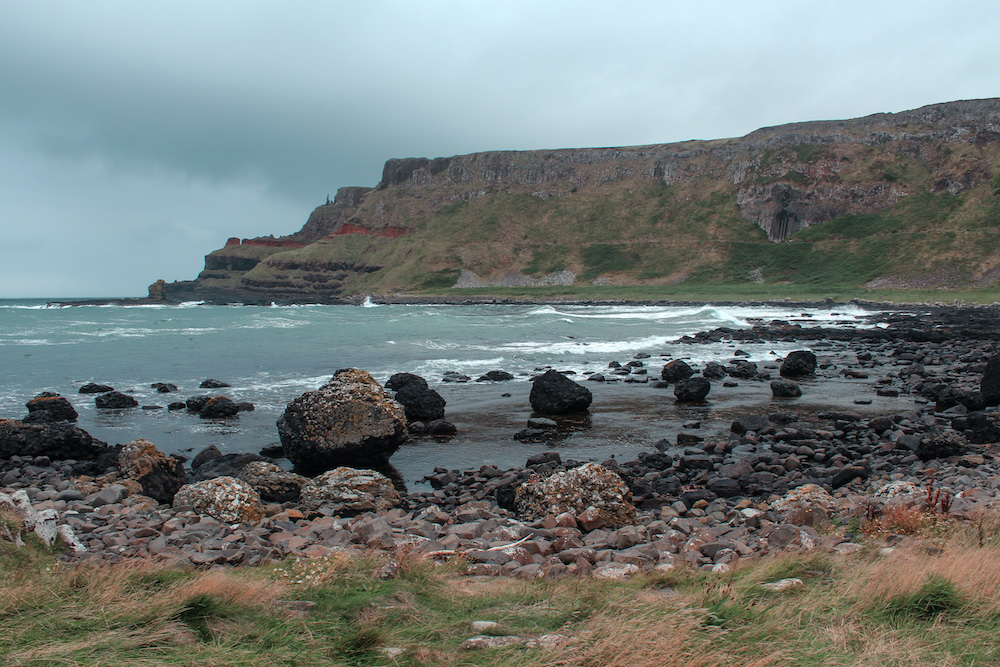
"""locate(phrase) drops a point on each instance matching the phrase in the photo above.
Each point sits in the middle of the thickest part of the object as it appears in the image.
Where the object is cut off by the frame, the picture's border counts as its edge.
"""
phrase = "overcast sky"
(136, 137)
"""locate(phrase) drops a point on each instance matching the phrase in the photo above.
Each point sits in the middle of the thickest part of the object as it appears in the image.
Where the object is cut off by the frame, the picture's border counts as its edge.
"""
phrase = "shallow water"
(272, 354)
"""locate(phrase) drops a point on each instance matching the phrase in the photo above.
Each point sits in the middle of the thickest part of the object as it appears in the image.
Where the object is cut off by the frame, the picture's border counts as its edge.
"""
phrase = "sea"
(271, 355)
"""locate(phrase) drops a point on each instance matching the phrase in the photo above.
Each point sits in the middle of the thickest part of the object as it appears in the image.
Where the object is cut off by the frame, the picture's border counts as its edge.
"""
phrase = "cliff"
(906, 198)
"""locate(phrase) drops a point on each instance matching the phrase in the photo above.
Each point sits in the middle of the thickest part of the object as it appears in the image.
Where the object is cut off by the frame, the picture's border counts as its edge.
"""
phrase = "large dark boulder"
(420, 402)
(675, 371)
(196, 403)
(115, 400)
(989, 386)
(984, 427)
(785, 389)
(164, 387)
(798, 364)
(93, 388)
(714, 371)
(495, 376)
(941, 445)
(349, 421)
(223, 465)
(741, 369)
(692, 390)
(219, 407)
(212, 383)
(552, 393)
(60, 440)
(49, 407)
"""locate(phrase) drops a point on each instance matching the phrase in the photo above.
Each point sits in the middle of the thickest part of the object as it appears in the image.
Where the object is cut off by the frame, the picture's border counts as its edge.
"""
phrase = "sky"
(136, 137)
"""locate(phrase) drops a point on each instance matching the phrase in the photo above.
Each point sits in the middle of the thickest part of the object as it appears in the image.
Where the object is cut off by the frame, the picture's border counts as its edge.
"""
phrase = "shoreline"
(698, 483)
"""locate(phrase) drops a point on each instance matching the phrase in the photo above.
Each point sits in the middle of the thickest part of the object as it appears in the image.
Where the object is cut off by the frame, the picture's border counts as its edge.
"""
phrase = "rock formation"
(633, 214)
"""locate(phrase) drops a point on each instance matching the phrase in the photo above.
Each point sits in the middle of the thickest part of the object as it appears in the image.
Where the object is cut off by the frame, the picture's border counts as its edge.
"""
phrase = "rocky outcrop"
(50, 407)
(351, 420)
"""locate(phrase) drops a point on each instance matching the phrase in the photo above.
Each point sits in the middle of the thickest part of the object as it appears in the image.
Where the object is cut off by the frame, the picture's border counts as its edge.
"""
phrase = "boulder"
(495, 376)
(49, 407)
(159, 475)
(692, 390)
(204, 456)
(60, 440)
(576, 490)
(785, 389)
(420, 402)
(745, 423)
(164, 387)
(196, 403)
(552, 393)
(741, 369)
(349, 420)
(714, 371)
(675, 371)
(115, 400)
(94, 388)
(272, 483)
(989, 386)
(348, 492)
(218, 407)
(223, 465)
(213, 384)
(941, 445)
(798, 364)
(224, 498)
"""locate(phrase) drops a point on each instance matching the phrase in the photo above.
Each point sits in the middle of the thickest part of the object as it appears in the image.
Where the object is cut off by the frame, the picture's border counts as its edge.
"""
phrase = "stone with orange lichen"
(160, 475)
(588, 486)
(351, 420)
(224, 498)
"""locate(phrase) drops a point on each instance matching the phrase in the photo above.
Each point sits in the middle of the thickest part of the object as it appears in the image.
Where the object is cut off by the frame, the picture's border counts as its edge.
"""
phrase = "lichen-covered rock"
(224, 498)
(803, 497)
(351, 420)
(552, 393)
(588, 486)
(273, 483)
(49, 407)
(160, 475)
(348, 492)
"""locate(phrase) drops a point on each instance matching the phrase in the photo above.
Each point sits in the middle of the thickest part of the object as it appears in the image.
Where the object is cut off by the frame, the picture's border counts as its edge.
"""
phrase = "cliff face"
(632, 214)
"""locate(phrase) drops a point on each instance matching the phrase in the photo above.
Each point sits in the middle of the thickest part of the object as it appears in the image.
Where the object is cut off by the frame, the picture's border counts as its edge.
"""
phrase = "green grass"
(911, 608)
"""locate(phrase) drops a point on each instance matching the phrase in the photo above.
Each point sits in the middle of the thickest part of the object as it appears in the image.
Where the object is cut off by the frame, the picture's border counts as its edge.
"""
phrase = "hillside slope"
(910, 199)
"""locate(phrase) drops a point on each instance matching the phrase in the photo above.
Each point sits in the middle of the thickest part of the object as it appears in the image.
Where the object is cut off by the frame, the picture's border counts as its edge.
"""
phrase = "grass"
(922, 604)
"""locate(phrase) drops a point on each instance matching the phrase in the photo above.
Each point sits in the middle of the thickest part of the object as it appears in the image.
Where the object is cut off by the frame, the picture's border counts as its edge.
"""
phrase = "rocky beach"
(767, 480)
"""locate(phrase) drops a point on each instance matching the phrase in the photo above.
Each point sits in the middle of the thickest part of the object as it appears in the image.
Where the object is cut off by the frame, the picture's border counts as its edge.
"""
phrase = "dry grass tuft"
(974, 572)
(638, 636)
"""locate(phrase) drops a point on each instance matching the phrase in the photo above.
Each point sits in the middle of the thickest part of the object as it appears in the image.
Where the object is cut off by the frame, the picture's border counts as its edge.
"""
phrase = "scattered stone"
(420, 402)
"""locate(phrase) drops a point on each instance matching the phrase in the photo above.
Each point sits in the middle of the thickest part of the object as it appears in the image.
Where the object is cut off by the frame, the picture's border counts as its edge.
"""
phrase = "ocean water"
(270, 355)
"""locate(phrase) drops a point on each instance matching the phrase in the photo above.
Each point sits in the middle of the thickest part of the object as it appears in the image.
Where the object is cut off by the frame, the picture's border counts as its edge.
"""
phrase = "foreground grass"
(917, 606)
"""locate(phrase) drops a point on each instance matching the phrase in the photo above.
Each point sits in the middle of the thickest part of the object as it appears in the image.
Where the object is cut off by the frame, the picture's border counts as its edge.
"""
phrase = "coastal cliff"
(893, 199)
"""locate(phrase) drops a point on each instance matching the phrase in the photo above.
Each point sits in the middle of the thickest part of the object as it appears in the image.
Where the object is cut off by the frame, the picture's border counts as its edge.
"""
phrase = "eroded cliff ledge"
(695, 210)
